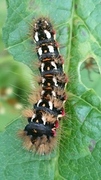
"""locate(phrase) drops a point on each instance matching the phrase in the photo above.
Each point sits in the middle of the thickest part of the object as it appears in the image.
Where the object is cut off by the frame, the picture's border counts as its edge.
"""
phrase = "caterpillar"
(40, 134)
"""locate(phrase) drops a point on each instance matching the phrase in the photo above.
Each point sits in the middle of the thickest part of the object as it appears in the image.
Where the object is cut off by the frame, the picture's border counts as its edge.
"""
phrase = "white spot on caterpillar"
(60, 116)
(54, 36)
(36, 36)
(53, 64)
(44, 120)
(34, 115)
(54, 94)
(42, 92)
(50, 105)
(51, 49)
(40, 51)
(46, 22)
(39, 102)
(48, 35)
(35, 25)
(55, 81)
(43, 80)
(42, 67)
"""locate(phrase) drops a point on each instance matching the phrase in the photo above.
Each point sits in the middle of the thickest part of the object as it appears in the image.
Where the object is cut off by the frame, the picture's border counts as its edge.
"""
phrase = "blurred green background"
(15, 84)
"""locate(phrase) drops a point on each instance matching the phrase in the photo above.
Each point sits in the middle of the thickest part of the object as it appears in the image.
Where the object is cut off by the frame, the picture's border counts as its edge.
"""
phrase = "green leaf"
(14, 88)
(77, 24)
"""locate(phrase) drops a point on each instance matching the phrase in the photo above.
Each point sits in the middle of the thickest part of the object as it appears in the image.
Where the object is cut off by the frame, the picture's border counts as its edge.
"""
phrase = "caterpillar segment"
(40, 134)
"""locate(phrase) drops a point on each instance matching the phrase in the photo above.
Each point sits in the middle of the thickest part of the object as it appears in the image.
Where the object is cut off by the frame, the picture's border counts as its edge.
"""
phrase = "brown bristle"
(21, 134)
(49, 117)
(34, 97)
(27, 142)
(59, 60)
(44, 145)
(62, 78)
(39, 79)
(27, 113)
(60, 92)
(58, 103)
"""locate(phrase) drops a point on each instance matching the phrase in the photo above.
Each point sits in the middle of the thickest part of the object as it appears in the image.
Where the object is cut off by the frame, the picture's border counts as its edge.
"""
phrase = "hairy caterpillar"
(48, 104)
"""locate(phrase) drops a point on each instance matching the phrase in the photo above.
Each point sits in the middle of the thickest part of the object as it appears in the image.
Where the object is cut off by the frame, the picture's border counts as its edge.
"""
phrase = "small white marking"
(54, 94)
(55, 81)
(53, 64)
(35, 25)
(59, 116)
(46, 22)
(42, 67)
(40, 51)
(43, 80)
(42, 92)
(50, 105)
(34, 115)
(48, 35)
(51, 49)
(54, 36)
(36, 36)
(39, 102)
(44, 120)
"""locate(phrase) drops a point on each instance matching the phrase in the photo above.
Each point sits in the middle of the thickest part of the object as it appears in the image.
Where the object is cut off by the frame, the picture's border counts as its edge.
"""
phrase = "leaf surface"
(78, 27)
